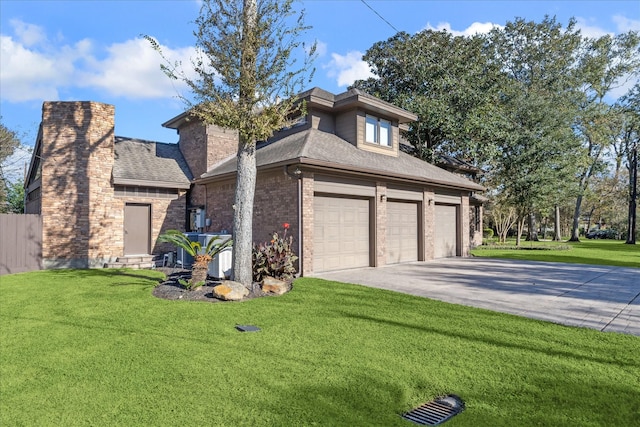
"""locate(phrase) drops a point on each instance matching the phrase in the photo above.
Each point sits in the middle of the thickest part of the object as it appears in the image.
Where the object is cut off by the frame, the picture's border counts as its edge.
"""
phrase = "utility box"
(221, 266)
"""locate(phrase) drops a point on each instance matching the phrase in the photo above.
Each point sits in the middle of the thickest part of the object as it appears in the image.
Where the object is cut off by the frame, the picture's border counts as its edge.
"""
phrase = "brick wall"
(202, 147)
(77, 197)
(275, 203)
(166, 214)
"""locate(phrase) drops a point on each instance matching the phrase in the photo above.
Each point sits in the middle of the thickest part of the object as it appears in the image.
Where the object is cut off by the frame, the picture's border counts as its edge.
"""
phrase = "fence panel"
(20, 243)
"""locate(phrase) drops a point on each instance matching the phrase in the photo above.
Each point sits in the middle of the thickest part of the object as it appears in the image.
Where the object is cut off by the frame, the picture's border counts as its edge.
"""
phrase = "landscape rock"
(271, 285)
(230, 291)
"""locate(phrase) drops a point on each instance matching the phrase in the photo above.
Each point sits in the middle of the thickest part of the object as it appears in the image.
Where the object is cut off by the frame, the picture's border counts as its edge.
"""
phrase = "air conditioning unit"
(221, 266)
(184, 258)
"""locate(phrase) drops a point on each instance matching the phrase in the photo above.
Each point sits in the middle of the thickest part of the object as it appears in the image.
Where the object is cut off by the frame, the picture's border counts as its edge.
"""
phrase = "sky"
(77, 50)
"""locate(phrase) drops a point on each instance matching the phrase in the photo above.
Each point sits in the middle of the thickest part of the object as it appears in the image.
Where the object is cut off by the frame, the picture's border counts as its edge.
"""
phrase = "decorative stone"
(230, 291)
(274, 286)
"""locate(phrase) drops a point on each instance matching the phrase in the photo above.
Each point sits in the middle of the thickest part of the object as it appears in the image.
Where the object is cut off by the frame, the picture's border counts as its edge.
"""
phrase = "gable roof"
(322, 149)
(149, 163)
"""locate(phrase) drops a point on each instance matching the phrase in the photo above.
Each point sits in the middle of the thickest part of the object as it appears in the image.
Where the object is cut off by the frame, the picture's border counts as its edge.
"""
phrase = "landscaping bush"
(274, 258)
(487, 233)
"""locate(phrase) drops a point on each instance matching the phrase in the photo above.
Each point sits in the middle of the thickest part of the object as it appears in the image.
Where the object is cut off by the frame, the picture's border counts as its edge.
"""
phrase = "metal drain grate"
(436, 412)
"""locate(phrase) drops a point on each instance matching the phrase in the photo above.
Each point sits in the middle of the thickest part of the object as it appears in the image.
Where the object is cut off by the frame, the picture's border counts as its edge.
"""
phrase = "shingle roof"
(156, 164)
(313, 146)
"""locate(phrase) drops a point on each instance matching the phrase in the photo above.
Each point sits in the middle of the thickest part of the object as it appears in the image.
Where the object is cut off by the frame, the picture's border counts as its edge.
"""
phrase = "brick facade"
(275, 202)
(83, 218)
(76, 191)
(203, 147)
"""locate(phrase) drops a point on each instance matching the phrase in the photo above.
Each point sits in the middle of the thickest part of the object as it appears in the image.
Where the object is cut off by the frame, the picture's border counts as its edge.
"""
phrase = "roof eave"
(155, 184)
(325, 165)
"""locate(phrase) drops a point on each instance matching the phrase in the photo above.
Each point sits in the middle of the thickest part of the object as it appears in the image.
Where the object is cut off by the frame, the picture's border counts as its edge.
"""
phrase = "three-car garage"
(355, 226)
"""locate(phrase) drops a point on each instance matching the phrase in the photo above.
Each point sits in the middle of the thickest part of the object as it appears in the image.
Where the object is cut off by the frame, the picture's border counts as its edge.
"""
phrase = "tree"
(630, 144)
(9, 141)
(536, 144)
(246, 80)
(605, 63)
(15, 198)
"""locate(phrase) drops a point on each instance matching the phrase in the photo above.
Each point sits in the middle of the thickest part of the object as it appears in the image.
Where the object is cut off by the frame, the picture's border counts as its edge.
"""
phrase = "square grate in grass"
(247, 328)
(435, 412)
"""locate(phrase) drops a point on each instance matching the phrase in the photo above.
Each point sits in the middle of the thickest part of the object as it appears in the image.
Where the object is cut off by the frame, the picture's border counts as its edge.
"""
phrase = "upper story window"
(378, 131)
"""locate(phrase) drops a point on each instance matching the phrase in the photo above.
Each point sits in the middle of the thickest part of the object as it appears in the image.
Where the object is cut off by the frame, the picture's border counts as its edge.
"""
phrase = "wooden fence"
(20, 243)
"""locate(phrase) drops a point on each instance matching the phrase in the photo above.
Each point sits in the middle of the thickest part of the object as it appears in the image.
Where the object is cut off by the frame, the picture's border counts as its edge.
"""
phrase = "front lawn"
(599, 252)
(94, 347)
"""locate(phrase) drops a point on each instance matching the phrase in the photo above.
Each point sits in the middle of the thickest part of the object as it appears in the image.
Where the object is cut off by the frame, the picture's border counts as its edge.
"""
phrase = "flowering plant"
(274, 258)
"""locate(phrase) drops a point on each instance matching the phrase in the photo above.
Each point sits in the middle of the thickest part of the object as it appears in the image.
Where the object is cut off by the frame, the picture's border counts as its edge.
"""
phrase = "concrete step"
(134, 262)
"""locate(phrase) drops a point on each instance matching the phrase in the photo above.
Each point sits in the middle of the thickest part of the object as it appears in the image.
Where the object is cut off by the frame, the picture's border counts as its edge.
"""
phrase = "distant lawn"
(600, 252)
(96, 348)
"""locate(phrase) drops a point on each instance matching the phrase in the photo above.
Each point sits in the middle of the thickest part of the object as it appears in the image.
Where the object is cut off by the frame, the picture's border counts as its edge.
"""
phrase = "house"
(337, 176)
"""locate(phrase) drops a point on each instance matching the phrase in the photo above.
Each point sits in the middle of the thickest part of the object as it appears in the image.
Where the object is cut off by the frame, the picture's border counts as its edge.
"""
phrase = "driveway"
(598, 297)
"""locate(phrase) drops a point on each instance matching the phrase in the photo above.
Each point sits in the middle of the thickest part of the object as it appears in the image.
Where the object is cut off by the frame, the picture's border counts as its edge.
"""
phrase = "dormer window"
(378, 131)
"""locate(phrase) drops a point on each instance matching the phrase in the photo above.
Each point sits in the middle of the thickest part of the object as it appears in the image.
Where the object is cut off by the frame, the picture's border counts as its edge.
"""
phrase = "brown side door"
(137, 229)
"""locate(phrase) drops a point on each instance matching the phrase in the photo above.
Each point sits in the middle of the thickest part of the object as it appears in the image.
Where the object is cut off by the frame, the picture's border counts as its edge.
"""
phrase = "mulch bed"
(171, 289)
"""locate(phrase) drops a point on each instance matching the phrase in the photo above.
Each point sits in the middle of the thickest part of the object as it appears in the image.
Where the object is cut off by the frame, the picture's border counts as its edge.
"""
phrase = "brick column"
(307, 223)
(464, 225)
(428, 223)
(380, 225)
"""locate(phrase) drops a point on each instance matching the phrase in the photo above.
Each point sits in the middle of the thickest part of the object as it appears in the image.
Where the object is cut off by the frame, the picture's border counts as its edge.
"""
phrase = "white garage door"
(341, 233)
(446, 231)
(402, 232)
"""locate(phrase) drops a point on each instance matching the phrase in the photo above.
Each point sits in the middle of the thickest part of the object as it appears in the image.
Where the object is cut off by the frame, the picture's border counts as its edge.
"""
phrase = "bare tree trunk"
(575, 229)
(633, 197)
(520, 228)
(557, 235)
(243, 214)
(532, 235)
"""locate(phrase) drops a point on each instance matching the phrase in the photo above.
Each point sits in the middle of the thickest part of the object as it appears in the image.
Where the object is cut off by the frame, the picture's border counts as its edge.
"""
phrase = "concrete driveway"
(598, 297)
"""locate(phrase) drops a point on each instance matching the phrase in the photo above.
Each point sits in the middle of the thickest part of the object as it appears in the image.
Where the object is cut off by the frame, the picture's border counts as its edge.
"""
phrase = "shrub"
(274, 258)
(487, 233)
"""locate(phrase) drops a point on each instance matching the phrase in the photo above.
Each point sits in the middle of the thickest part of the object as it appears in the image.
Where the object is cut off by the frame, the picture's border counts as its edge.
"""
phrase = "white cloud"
(28, 34)
(471, 30)
(26, 74)
(132, 70)
(625, 24)
(321, 48)
(348, 68)
(590, 30)
(34, 68)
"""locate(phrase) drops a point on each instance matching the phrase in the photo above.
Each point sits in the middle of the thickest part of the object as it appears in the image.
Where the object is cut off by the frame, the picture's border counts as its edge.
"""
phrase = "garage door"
(341, 233)
(446, 231)
(402, 232)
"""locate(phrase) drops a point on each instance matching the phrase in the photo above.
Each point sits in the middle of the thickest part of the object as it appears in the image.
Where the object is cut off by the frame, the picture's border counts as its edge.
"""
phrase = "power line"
(380, 16)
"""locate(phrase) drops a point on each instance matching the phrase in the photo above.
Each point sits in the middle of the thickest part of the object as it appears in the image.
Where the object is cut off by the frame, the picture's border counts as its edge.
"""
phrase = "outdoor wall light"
(383, 197)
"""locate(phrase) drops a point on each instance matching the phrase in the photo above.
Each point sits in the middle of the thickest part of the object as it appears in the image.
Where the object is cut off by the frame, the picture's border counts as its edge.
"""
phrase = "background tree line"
(530, 104)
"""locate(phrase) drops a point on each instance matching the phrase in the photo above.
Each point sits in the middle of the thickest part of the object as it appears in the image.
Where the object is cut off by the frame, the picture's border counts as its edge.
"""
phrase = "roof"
(453, 163)
(320, 98)
(317, 148)
(149, 163)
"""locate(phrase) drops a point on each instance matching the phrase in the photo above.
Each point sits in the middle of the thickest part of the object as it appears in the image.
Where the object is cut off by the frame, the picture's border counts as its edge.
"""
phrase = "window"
(378, 131)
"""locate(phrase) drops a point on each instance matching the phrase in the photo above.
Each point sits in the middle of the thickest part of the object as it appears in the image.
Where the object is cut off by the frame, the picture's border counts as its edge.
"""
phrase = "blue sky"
(92, 50)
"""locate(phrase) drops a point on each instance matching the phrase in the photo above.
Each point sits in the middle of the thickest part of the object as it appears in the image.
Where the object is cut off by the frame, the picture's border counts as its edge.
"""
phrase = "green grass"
(599, 252)
(94, 347)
